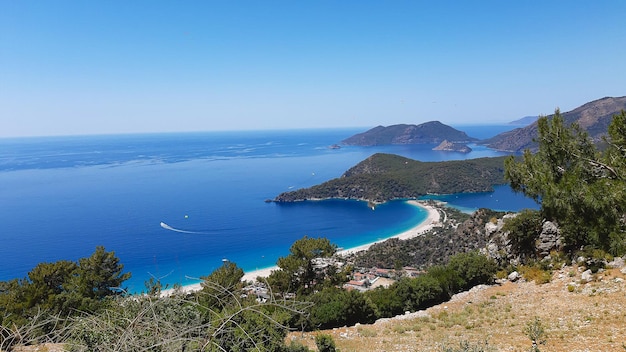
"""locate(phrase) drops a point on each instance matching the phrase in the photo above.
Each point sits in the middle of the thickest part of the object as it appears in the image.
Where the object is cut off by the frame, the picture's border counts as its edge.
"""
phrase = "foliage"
(218, 318)
(296, 347)
(62, 288)
(595, 259)
(325, 343)
(449, 279)
(334, 307)
(383, 177)
(297, 272)
(251, 327)
(524, 230)
(222, 286)
(462, 272)
(581, 188)
(385, 303)
(535, 332)
(417, 293)
(473, 269)
(535, 272)
(176, 323)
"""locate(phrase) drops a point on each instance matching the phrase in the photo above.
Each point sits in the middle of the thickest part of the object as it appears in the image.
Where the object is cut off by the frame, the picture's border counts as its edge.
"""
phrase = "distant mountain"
(526, 120)
(432, 132)
(594, 117)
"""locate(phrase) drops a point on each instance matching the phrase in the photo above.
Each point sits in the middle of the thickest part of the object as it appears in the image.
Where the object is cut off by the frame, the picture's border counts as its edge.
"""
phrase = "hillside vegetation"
(383, 177)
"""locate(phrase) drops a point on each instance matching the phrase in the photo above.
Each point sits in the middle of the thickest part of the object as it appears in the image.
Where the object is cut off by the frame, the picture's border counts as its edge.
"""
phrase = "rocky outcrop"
(549, 239)
(499, 244)
(448, 146)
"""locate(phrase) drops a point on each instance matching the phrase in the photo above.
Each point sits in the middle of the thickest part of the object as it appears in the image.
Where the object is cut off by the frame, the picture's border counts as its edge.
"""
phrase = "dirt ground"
(576, 316)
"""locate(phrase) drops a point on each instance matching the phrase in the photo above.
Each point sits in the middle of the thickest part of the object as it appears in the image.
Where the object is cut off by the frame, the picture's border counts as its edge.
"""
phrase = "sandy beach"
(431, 220)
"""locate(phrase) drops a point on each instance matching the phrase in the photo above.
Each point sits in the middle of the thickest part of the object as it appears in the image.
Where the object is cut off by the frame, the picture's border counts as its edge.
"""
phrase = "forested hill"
(433, 132)
(383, 177)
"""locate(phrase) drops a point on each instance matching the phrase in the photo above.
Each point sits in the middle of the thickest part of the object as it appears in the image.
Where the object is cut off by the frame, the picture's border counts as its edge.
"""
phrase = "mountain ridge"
(593, 117)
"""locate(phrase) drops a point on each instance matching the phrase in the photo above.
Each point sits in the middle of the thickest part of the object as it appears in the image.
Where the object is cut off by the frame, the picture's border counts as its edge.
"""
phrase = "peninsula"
(383, 177)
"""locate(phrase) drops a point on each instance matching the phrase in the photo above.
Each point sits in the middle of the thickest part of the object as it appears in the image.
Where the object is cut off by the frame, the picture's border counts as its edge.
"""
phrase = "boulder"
(490, 228)
(587, 276)
(549, 239)
(514, 276)
(617, 262)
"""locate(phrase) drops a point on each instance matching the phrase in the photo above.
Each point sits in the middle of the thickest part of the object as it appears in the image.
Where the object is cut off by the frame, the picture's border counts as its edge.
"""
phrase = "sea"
(175, 206)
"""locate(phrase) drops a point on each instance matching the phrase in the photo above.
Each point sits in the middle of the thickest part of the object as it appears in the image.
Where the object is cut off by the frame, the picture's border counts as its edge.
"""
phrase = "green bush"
(524, 230)
(296, 347)
(473, 269)
(337, 307)
(325, 343)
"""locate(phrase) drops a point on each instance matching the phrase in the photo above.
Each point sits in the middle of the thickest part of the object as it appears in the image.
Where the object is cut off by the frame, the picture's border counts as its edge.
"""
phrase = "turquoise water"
(61, 197)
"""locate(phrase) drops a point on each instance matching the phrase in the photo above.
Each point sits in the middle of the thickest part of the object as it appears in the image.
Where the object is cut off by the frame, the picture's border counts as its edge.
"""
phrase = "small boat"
(334, 146)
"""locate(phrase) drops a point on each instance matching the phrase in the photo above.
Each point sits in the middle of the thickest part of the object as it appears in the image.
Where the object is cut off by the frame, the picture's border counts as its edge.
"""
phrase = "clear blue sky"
(94, 67)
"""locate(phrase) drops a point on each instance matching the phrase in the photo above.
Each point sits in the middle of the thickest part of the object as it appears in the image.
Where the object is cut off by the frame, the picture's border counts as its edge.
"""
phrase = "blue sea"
(173, 206)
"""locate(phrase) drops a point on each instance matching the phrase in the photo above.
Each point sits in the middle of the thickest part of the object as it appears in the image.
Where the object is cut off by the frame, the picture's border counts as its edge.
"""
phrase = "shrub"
(337, 307)
(502, 274)
(535, 273)
(296, 347)
(325, 343)
(473, 269)
(535, 332)
(524, 229)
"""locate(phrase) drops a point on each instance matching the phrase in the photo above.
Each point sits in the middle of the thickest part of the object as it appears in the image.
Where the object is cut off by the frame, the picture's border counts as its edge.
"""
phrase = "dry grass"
(576, 316)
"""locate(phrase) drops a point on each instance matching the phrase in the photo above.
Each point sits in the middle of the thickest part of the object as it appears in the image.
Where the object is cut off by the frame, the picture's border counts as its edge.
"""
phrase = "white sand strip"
(431, 220)
(252, 275)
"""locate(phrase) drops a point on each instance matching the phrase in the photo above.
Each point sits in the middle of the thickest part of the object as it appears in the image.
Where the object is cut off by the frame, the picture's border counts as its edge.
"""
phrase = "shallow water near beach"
(173, 206)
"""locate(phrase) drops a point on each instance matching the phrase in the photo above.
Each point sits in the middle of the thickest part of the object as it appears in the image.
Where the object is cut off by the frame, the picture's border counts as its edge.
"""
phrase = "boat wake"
(168, 227)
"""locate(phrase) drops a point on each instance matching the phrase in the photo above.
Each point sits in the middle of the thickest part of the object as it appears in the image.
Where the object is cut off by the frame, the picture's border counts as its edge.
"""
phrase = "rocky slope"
(448, 146)
(594, 117)
(577, 316)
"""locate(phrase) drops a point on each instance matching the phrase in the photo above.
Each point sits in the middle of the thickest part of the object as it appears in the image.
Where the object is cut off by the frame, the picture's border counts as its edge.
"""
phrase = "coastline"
(432, 219)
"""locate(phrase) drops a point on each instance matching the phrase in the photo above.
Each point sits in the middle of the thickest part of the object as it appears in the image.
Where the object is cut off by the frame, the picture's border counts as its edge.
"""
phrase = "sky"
(101, 67)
